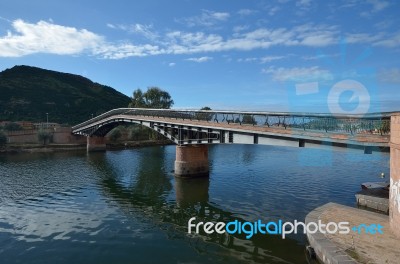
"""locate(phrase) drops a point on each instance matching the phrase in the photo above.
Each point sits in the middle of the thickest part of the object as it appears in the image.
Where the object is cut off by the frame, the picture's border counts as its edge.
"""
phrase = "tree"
(115, 134)
(134, 132)
(137, 99)
(249, 119)
(138, 132)
(3, 139)
(204, 116)
(154, 97)
(12, 126)
(45, 136)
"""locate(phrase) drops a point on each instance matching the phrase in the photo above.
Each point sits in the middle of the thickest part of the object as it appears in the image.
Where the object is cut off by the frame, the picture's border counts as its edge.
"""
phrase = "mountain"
(28, 93)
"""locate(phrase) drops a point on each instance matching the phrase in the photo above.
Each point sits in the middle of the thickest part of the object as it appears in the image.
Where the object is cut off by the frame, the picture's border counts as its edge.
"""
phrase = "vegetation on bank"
(44, 136)
(12, 126)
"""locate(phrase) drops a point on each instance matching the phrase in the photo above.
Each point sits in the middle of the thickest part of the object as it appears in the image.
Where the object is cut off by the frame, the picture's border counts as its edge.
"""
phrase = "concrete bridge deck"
(287, 129)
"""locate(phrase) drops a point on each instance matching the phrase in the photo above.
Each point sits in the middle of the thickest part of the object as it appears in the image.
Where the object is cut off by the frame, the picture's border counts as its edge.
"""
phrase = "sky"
(284, 55)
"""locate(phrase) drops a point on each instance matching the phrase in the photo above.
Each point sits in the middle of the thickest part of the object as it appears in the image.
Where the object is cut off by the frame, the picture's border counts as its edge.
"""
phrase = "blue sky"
(283, 55)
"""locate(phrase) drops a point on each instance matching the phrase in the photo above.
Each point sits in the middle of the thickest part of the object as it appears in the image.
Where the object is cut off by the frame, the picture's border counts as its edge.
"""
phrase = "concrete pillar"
(191, 161)
(95, 143)
(394, 195)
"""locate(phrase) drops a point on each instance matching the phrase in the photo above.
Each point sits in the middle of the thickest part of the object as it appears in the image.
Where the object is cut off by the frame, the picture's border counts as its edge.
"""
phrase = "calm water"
(127, 207)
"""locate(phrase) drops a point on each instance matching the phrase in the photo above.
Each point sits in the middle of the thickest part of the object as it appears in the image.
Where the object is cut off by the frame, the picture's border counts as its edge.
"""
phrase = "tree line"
(153, 97)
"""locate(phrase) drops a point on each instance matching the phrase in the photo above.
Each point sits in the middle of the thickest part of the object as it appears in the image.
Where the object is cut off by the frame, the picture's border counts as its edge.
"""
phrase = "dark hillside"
(28, 93)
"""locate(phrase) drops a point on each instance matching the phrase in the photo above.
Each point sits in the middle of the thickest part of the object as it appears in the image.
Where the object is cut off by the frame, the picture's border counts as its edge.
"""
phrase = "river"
(126, 206)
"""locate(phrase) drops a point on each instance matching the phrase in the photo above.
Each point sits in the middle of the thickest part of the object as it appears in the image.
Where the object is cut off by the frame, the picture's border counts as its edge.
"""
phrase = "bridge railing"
(373, 123)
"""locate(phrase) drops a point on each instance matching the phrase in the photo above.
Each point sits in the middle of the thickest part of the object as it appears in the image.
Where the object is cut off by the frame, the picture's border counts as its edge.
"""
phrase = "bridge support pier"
(95, 143)
(394, 195)
(191, 161)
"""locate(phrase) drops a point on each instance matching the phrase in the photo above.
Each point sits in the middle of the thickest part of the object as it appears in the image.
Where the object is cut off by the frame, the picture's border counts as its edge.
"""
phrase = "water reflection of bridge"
(148, 195)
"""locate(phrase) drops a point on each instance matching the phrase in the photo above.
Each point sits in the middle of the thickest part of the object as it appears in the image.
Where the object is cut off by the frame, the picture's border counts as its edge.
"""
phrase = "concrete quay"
(353, 247)
(375, 199)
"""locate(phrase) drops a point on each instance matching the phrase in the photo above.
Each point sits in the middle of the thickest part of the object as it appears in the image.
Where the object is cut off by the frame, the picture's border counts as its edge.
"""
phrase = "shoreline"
(38, 148)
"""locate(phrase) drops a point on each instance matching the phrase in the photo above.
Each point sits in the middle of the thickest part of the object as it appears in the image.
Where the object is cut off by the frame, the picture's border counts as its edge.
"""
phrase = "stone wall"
(61, 135)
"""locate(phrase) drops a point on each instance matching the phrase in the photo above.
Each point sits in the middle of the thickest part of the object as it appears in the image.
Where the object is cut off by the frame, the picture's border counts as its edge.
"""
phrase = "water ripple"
(123, 205)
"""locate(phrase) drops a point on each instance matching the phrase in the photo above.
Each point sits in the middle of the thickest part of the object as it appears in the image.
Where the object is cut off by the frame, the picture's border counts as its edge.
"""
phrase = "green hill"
(28, 93)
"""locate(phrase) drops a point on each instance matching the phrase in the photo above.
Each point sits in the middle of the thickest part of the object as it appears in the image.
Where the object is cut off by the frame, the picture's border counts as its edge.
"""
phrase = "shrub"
(45, 136)
(115, 134)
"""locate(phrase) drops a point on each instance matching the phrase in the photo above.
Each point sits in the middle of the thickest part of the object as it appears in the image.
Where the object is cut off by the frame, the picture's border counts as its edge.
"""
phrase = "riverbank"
(137, 144)
(37, 148)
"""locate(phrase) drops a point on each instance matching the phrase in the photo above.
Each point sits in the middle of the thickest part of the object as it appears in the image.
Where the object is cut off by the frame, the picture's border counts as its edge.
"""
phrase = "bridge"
(193, 130)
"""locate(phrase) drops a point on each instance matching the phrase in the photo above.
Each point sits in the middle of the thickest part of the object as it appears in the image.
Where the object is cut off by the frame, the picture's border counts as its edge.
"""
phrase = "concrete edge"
(327, 251)
(376, 203)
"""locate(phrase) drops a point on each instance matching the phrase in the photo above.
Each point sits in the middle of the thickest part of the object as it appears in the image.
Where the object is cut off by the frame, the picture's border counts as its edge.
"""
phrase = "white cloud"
(316, 35)
(322, 40)
(273, 10)
(247, 59)
(111, 26)
(390, 75)
(378, 5)
(297, 73)
(303, 7)
(261, 60)
(120, 51)
(246, 12)
(382, 25)
(200, 59)
(320, 56)
(346, 4)
(303, 3)
(171, 64)
(45, 37)
(363, 38)
(392, 41)
(140, 29)
(5, 19)
(240, 28)
(207, 18)
(219, 16)
(267, 59)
